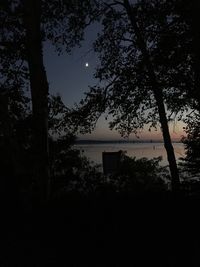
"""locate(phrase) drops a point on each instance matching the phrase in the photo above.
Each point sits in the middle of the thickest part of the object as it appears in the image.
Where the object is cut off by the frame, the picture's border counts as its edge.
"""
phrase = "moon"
(86, 64)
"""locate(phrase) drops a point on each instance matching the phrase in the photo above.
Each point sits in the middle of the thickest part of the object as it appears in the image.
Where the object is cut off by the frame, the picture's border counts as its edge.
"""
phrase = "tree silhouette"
(158, 94)
(185, 40)
(25, 25)
(134, 86)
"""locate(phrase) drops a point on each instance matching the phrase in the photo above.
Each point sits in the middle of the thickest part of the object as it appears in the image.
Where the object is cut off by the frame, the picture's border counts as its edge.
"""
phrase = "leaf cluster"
(140, 175)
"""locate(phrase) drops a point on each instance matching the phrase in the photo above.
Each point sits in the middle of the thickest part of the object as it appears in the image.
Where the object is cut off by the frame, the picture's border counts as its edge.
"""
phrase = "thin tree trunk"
(39, 93)
(158, 94)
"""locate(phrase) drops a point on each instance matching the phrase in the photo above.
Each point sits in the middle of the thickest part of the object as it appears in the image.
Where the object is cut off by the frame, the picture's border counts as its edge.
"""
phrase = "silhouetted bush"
(134, 176)
(72, 172)
(140, 176)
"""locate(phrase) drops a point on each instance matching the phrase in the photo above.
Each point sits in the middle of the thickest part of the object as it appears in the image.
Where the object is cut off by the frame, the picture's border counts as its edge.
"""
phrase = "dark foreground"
(109, 230)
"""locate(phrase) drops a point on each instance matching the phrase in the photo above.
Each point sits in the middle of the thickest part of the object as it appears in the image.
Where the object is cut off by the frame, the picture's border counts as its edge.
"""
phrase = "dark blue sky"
(67, 73)
(68, 76)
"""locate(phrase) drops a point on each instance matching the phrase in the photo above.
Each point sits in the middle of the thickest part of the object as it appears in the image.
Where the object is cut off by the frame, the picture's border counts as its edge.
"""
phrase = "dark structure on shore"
(111, 161)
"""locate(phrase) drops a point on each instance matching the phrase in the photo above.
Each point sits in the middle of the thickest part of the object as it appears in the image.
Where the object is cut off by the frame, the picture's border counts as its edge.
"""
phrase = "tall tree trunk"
(158, 94)
(39, 93)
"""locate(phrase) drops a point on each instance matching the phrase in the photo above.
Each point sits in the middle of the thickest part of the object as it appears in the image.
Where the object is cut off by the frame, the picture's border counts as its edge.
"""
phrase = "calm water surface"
(138, 150)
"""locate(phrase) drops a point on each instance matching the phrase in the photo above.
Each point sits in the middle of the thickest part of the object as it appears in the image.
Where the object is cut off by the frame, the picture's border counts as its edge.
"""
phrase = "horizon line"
(126, 141)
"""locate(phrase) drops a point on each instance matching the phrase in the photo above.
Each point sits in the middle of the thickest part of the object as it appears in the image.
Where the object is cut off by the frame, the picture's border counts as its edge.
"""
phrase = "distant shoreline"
(81, 142)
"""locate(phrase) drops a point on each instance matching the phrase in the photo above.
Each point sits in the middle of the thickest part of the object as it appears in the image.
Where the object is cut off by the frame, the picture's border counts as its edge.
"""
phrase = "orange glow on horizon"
(102, 132)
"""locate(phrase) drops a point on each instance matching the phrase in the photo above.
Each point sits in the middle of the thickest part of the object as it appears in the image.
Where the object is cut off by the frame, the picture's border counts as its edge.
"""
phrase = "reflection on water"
(138, 150)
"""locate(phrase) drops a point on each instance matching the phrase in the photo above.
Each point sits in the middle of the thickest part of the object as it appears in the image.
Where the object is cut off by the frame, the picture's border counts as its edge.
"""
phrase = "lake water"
(138, 150)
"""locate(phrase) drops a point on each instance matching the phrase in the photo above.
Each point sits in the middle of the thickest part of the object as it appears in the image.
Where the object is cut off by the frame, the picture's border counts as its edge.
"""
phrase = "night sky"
(68, 76)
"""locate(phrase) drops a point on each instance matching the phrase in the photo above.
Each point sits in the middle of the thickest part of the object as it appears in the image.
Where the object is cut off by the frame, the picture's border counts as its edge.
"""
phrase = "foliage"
(24, 26)
(191, 163)
(124, 90)
(72, 172)
(58, 117)
(140, 175)
(69, 170)
(64, 22)
(135, 176)
(16, 137)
